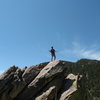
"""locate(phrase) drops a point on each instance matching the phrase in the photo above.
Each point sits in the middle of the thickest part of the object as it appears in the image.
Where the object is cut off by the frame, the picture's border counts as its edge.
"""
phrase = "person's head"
(52, 47)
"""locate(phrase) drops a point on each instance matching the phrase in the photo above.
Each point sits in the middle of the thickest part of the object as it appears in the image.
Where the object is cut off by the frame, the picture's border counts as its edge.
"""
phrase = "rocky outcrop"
(11, 83)
(46, 75)
(70, 89)
(57, 80)
(51, 90)
(30, 73)
(14, 80)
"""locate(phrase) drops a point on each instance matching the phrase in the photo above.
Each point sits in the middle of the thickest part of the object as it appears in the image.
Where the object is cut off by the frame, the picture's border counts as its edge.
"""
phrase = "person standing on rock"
(53, 56)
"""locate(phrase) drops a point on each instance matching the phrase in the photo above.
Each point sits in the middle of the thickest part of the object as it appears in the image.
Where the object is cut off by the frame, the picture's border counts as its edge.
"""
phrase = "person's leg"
(51, 57)
(54, 57)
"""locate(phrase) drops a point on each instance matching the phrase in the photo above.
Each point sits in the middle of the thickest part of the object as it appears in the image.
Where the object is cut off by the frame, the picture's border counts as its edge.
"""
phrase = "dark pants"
(53, 57)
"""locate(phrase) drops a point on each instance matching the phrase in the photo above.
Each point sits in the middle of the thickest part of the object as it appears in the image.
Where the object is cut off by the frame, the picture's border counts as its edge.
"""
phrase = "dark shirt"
(52, 51)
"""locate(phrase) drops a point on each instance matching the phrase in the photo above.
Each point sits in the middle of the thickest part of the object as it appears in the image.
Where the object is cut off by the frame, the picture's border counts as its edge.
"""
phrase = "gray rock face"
(47, 74)
(10, 83)
(6, 77)
(57, 80)
(30, 73)
(70, 90)
(51, 90)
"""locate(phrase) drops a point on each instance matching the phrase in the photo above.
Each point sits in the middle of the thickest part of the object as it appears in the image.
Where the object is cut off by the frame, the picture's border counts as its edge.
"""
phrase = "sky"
(28, 29)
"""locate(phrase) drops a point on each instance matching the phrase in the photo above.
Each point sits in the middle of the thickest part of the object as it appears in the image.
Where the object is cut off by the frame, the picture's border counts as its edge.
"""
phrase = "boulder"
(51, 90)
(48, 95)
(6, 78)
(70, 89)
(11, 83)
(30, 73)
(46, 75)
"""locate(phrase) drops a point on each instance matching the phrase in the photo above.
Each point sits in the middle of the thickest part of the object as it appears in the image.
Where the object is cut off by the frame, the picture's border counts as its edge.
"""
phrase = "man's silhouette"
(53, 54)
